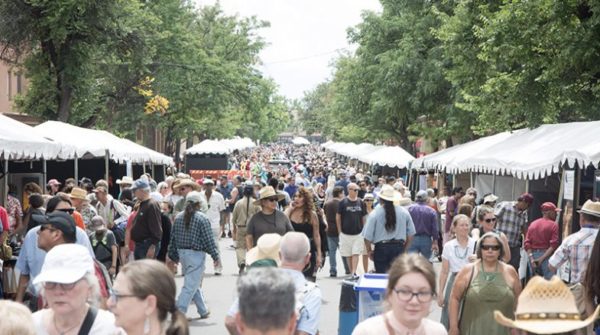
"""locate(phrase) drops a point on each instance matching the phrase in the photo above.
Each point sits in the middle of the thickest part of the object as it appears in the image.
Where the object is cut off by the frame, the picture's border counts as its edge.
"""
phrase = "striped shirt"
(577, 249)
(198, 236)
(510, 221)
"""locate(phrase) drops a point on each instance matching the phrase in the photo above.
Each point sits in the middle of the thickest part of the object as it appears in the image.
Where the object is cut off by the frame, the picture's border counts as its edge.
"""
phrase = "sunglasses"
(67, 210)
(64, 287)
(271, 199)
(490, 220)
(494, 247)
(368, 200)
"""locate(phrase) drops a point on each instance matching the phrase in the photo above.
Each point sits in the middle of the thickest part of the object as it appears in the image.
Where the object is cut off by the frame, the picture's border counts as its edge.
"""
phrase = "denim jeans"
(334, 244)
(141, 249)
(192, 267)
(544, 265)
(384, 254)
(421, 244)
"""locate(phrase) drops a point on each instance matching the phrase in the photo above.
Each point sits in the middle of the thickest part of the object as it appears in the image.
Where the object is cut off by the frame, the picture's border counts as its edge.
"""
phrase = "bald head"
(294, 247)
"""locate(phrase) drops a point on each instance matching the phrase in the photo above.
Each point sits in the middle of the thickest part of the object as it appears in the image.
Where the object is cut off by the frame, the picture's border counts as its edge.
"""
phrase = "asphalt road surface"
(219, 292)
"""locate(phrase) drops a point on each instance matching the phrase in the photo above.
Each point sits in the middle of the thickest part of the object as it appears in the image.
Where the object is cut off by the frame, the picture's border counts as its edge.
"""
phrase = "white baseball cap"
(65, 264)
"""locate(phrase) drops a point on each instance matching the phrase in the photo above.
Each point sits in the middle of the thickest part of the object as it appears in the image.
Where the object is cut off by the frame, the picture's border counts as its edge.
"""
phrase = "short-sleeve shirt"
(102, 246)
(576, 248)
(456, 255)
(331, 208)
(14, 210)
(352, 213)
(375, 228)
(510, 221)
(261, 223)
(103, 324)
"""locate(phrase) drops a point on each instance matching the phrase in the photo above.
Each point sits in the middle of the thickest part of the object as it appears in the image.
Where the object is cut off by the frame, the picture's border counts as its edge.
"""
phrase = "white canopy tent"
(395, 157)
(300, 141)
(20, 141)
(220, 147)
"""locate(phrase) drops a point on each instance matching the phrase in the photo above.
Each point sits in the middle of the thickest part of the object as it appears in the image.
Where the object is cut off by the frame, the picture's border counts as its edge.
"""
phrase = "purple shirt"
(425, 219)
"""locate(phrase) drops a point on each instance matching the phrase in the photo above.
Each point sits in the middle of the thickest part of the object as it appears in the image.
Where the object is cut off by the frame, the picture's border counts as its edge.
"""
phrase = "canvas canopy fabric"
(220, 147)
(20, 141)
(300, 141)
(96, 142)
(389, 156)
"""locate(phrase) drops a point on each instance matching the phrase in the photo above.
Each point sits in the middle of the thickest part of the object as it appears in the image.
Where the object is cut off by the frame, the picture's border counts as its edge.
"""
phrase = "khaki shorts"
(352, 245)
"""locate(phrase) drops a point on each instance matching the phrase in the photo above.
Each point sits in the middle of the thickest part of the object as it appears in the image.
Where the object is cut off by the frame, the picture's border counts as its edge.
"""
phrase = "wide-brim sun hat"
(268, 192)
(388, 193)
(188, 182)
(267, 247)
(546, 307)
(65, 264)
(125, 181)
(78, 193)
(591, 208)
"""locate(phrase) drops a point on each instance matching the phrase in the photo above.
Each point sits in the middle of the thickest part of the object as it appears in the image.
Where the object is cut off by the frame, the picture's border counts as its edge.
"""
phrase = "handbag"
(9, 280)
(6, 251)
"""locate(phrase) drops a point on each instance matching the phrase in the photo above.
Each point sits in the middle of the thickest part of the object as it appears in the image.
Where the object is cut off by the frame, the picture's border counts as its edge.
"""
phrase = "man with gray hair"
(425, 219)
(295, 255)
(146, 229)
(267, 299)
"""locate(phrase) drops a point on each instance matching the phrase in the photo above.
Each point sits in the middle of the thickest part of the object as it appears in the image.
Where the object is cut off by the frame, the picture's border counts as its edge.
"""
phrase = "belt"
(390, 242)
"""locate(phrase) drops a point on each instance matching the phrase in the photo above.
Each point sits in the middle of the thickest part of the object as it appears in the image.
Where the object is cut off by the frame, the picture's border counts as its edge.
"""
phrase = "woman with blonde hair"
(410, 291)
(142, 299)
(16, 319)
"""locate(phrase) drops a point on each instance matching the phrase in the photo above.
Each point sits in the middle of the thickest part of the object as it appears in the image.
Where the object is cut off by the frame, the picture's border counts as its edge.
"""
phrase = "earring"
(147, 326)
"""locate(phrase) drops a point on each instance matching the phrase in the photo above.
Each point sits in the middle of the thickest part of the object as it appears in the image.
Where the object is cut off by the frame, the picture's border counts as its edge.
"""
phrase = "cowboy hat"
(546, 307)
(187, 182)
(268, 192)
(125, 181)
(78, 193)
(388, 193)
(267, 247)
(591, 208)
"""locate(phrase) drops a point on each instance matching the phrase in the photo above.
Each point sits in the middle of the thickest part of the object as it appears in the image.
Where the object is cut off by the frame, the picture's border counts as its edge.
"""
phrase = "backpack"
(119, 224)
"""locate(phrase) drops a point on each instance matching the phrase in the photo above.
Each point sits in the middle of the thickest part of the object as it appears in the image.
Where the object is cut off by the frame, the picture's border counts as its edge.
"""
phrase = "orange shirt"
(78, 219)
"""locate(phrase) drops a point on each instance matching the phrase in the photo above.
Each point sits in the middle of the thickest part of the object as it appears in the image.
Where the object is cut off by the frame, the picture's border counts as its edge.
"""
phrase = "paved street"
(220, 292)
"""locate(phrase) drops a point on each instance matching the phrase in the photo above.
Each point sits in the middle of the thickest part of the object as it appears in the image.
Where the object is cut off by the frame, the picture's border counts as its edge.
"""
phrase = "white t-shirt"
(456, 255)
(376, 326)
(216, 204)
(104, 324)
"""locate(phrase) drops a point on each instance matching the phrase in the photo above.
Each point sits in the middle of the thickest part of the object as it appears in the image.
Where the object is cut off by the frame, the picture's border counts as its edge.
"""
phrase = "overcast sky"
(304, 36)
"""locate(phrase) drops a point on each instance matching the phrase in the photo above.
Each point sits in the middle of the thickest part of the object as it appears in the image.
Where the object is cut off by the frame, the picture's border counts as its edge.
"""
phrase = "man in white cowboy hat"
(547, 307)
(350, 220)
(577, 249)
(124, 183)
(269, 219)
(216, 204)
(294, 250)
(184, 187)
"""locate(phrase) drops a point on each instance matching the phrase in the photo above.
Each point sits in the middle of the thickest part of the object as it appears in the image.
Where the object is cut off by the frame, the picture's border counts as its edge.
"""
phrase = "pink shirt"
(4, 219)
(542, 234)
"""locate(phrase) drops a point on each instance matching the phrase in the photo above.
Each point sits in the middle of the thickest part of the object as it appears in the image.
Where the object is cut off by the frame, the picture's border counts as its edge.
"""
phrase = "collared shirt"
(147, 223)
(308, 321)
(375, 231)
(112, 209)
(542, 234)
(424, 219)
(198, 236)
(576, 248)
(31, 258)
(216, 204)
(510, 221)
(456, 255)
(88, 212)
(13, 207)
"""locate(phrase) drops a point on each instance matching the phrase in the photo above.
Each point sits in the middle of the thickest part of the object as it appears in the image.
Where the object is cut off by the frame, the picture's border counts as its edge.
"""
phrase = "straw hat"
(591, 208)
(546, 307)
(187, 182)
(267, 192)
(125, 181)
(388, 193)
(78, 193)
(267, 247)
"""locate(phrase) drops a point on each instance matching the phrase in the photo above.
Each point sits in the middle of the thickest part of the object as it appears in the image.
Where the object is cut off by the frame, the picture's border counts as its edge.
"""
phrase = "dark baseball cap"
(59, 220)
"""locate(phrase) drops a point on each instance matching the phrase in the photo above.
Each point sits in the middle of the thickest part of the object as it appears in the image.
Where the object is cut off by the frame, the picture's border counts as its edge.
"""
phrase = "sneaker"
(333, 275)
(229, 234)
(205, 316)
(217, 273)
(242, 268)
(223, 235)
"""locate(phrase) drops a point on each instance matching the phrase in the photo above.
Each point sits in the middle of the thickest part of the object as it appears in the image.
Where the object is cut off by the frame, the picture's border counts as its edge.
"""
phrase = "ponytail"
(178, 325)
(390, 215)
(190, 209)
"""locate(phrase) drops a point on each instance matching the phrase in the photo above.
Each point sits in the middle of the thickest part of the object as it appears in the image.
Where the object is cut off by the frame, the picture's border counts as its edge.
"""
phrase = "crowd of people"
(91, 263)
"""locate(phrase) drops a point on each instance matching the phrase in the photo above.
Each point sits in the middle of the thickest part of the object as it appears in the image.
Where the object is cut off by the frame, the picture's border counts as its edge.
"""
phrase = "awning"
(20, 141)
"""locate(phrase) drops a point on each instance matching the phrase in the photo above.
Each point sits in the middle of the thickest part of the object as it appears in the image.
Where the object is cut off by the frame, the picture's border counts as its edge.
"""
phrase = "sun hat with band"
(125, 181)
(267, 247)
(187, 182)
(546, 307)
(78, 193)
(389, 193)
(65, 264)
(268, 192)
(591, 208)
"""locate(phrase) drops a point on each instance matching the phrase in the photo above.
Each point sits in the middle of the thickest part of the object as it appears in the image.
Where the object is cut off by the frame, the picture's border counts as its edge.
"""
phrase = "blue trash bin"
(348, 313)
(371, 294)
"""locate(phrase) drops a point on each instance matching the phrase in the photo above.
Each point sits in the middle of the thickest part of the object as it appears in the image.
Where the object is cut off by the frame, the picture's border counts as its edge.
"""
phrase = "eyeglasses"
(67, 210)
(490, 220)
(47, 227)
(406, 295)
(494, 247)
(115, 296)
(64, 287)
(368, 200)
(353, 189)
(271, 199)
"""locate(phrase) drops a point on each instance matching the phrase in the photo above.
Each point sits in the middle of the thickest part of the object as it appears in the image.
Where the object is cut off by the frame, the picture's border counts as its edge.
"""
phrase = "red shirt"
(542, 234)
(4, 218)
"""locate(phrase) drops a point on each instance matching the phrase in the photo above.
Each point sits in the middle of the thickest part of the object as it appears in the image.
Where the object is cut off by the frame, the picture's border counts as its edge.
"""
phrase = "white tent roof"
(20, 141)
(389, 156)
(453, 159)
(539, 152)
(96, 142)
(300, 141)
(220, 147)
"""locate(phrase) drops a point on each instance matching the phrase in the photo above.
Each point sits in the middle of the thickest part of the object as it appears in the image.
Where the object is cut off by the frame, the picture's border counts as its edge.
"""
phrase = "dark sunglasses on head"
(490, 247)
(67, 210)
(490, 220)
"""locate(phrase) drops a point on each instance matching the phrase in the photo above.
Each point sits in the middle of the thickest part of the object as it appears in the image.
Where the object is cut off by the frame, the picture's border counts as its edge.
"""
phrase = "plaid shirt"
(510, 221)
(198, 236)
(577, 249)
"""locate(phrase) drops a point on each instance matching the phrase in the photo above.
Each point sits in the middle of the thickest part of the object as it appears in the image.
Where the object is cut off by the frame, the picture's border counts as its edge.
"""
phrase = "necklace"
(62, 332)
(457, 254)
(489, 276)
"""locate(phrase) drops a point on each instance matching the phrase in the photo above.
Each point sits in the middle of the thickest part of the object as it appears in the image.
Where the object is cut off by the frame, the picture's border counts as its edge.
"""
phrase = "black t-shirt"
(352, 213)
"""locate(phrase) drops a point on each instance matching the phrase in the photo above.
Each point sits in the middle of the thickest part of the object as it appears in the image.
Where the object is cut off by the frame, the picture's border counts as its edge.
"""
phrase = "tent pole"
(494, 183)
(5, 178)
(106, 165)
(143, 167)
(76, 167)
(153, 175)
(471, 179)
(164, 168)
(44, 172)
